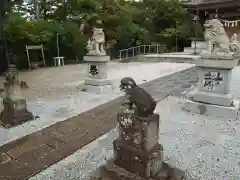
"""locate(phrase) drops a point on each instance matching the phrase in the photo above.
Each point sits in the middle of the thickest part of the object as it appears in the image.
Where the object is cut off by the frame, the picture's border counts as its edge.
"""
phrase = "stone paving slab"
(37, 151)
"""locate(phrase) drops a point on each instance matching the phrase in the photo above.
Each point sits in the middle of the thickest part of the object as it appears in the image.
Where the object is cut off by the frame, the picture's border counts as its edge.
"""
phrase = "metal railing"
(138, 50)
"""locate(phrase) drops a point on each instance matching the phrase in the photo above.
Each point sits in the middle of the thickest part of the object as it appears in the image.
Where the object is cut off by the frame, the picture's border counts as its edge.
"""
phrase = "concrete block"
(98, 89)
(96, 58)
(217, 62)
(213, 98)
(97, 82)
(212, 110)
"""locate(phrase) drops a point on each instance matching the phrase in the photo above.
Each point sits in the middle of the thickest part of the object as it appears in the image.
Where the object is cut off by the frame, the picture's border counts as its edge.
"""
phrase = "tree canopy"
(128, 23)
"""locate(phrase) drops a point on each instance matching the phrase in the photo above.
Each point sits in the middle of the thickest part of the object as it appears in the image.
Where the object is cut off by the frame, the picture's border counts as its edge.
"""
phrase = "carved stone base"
(97, 82)
(98, 89)
(14, 113)
(113, 172)
(212, 110)
(213, 98)
(145, 163)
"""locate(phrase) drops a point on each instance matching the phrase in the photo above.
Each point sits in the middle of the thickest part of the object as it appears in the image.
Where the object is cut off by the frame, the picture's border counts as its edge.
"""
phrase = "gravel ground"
(50, 83)
(207, 148)
(54, 94)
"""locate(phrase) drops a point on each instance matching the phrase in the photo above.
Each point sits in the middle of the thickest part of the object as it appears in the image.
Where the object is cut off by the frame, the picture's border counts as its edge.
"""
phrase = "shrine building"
(228, 11)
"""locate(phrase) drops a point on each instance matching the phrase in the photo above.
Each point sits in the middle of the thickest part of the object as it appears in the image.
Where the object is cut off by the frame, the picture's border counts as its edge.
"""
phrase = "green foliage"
(14, 28)
(129, 23)
(128, 36)
(20, 33)
(39, 31)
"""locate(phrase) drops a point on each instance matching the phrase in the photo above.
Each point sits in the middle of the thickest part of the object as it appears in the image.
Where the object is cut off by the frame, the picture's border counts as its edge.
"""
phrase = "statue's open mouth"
(122, 88)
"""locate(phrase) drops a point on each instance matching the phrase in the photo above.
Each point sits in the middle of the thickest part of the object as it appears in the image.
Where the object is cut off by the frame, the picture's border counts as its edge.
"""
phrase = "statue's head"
(126, 84)
(214, 25)
(87, 27)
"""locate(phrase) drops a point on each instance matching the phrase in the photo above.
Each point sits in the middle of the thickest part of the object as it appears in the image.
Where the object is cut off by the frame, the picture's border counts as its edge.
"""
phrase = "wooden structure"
(30, 63)
(226, 10)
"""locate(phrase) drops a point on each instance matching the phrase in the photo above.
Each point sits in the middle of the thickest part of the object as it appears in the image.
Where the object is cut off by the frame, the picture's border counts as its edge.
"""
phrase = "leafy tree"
(128, 23)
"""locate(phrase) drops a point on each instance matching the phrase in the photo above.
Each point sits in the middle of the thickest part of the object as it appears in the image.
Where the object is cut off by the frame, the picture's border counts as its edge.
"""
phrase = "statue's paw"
(127, 101)
(235, 48)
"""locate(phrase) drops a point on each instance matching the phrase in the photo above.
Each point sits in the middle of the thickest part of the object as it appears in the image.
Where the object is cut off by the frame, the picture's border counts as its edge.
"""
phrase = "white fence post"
(138, 50)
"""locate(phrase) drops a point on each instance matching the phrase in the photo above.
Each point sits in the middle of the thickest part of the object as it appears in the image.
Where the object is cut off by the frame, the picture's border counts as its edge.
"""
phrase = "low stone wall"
(169, 57)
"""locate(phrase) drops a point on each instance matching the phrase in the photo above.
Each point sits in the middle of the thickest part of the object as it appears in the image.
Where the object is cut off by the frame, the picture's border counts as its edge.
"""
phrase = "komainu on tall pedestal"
(97, 59)
(15, 107)
(96, 43)
(137, 153)
(97, 81)
(217, 41)
(212, 96)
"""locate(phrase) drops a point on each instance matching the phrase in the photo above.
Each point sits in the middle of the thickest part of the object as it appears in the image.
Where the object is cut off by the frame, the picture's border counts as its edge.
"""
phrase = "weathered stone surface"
(214, 98)
(95, 58)
(137, 154)
(168, 172)
(144, 163)
(98, 89)
(137, 149)
(141, 132)
(223, 63)
(15, 113)
(220, 80)
(215, 76)
(113, 172)
(97, 81)
(211, 109)
(96, 121)
(15, 107)
(137, 99)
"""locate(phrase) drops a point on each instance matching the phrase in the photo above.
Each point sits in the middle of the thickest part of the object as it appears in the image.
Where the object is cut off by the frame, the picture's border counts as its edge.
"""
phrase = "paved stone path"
(29, 155)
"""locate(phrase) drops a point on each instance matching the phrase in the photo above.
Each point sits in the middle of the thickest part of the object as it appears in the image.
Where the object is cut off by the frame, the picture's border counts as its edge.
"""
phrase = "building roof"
(210, 4)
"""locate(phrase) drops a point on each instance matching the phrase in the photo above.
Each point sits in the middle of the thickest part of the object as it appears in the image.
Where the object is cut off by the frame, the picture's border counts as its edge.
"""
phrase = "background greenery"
(128, 23)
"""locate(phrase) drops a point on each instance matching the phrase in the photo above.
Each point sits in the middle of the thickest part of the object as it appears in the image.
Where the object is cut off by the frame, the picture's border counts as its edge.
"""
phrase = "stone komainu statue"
(137, 98)
(217, 39)
(96, 38)
(96, 43)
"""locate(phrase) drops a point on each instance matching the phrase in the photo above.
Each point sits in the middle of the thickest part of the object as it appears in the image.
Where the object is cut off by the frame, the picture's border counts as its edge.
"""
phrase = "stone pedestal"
(97, 80)
(137, 149)
(213, 93)
(15, 107)
(137, 153)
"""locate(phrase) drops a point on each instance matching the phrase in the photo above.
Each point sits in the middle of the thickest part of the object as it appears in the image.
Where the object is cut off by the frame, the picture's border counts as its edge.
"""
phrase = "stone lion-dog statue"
(217, 39)
(96, 43)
